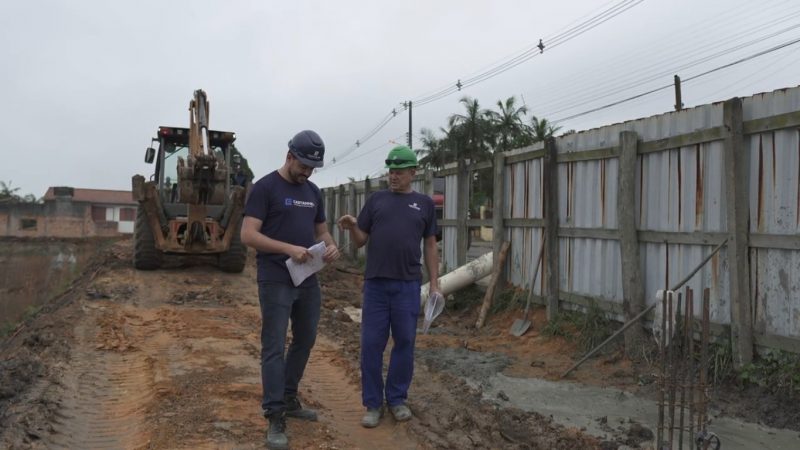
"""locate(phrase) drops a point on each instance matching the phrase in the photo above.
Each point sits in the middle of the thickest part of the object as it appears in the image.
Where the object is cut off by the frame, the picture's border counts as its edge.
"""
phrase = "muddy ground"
(169, 359)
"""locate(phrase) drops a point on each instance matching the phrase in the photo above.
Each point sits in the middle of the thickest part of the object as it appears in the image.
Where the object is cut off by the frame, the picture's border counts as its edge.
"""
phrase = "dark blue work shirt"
(396, 224)
(289, 212)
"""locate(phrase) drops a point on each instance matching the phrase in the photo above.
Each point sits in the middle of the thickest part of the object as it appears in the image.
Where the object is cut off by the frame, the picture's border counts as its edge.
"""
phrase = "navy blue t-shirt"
(396, 224)
(289, 212)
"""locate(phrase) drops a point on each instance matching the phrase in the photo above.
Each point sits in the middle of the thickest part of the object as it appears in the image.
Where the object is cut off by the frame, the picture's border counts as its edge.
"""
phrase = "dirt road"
(169, 359)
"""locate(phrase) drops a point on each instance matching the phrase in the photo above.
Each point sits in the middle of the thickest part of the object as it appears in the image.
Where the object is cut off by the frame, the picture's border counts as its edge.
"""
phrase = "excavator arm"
(202, 177)
(199, 211)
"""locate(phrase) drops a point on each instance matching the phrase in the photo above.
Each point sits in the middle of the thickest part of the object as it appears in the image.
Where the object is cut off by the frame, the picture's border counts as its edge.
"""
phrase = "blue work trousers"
(281, 371)
(389, 305)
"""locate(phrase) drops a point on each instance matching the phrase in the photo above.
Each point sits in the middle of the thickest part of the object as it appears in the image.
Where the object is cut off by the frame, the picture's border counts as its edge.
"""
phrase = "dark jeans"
(281, 372)
(388, 305)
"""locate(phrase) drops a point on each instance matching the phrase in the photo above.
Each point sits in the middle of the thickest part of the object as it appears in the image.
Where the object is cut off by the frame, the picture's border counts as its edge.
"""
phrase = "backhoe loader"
(192, 204)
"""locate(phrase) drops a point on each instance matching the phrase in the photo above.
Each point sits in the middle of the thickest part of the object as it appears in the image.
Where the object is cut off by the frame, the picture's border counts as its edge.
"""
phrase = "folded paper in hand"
(301, 271)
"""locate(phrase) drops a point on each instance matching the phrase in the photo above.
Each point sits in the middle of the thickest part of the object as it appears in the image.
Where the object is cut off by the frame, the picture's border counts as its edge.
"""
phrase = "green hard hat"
(401, 157)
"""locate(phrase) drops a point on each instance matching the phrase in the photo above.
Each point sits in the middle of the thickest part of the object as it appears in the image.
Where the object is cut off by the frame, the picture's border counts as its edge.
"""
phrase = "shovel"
(520, 326)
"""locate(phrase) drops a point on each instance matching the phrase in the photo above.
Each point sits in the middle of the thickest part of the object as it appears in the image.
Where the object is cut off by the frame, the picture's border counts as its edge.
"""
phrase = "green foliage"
(6, 329)
(720, 365)
(563, 325)
(476, 133)
(30, 311)
(10, 195)
(508, 299)
(465, 299)
(777, 371)
(542, 129)
(587, 328)
(593, 327)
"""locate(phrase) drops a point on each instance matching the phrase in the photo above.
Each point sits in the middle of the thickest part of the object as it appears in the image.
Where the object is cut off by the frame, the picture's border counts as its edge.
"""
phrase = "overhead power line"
(532, 52)
(566, 106)
(685, 80)
(586, 86)
(562, 37)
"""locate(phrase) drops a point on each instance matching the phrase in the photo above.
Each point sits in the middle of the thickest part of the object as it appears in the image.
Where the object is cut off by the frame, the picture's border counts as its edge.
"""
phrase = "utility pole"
(678, 102)
(410, 144)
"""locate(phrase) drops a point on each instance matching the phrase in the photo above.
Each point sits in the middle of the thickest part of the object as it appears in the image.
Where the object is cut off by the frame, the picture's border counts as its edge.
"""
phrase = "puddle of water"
(33, 271)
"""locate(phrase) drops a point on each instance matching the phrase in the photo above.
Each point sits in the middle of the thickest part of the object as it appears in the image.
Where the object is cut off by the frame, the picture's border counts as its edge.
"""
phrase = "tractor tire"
(233, 260)
(145, 254)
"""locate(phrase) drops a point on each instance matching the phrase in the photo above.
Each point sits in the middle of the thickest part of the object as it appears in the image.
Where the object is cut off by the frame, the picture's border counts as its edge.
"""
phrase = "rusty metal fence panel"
(774, 209)
(587, 199)
(523, 185)
(449, 233)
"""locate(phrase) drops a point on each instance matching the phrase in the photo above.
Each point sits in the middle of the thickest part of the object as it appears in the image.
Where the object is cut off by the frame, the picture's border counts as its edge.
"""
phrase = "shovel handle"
(534, 277)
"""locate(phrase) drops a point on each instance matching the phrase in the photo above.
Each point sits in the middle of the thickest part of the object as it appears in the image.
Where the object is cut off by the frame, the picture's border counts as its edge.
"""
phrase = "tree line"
(477, 133)
(10, 194)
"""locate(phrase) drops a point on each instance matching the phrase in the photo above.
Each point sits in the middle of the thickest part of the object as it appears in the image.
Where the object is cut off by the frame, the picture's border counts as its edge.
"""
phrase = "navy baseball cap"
(308, 147)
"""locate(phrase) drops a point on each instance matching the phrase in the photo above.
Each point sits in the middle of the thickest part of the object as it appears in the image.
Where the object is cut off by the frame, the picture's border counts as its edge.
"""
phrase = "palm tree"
(475, 128)
(7, 193)
(542, 129)
(507, 123)
(433, 154)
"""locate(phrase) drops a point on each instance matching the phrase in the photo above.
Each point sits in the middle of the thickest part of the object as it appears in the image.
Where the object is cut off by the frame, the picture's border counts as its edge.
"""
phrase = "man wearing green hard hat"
(393, 222)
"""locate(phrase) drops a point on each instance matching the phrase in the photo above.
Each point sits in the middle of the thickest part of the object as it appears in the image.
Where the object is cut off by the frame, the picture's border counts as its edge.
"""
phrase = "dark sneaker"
(296, 410)
(276, 434)
(400, 412)
(372, 417)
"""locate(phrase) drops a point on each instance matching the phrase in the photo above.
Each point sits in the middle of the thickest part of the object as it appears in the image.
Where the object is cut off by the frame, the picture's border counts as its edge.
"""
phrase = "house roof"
(103, 196)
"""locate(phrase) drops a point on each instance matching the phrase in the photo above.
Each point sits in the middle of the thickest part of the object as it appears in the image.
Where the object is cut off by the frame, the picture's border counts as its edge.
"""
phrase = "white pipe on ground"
(461, 277)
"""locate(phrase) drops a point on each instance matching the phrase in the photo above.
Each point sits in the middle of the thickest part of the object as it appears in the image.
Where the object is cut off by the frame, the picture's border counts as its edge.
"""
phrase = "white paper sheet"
(301, 271)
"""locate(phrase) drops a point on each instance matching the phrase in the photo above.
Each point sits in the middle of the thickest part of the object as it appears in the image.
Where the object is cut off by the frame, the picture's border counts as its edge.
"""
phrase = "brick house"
(71, 212)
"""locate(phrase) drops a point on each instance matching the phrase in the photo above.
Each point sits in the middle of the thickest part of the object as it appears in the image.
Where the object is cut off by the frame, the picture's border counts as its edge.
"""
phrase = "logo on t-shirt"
(414, 206)
(299, 203)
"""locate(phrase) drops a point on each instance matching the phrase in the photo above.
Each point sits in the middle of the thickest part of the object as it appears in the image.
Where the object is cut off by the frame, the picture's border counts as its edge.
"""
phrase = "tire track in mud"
(329, 386)
(106, 400)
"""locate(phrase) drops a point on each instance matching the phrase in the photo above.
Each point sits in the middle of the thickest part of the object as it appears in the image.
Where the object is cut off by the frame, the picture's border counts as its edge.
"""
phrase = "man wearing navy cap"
(284, 216)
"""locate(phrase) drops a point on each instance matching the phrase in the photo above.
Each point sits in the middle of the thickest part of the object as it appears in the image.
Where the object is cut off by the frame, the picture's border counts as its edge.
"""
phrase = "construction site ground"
(169, 359)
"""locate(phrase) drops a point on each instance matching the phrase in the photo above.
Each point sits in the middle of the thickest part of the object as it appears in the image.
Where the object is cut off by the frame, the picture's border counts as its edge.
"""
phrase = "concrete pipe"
(461, 277)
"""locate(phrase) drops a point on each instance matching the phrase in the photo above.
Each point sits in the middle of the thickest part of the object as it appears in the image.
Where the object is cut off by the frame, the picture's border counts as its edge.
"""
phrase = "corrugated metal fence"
(717, 171)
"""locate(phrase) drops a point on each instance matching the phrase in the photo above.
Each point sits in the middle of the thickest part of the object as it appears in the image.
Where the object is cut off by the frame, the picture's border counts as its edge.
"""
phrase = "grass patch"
(6, 329)
(507, 299)
(593, 327)
(587, 329)
(30, 311)
(777, 370)
(465, 298)
(562, 325)
(720, 363)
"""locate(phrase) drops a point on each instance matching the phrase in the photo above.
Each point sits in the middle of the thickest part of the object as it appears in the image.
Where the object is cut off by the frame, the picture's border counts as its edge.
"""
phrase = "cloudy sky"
(84, 84)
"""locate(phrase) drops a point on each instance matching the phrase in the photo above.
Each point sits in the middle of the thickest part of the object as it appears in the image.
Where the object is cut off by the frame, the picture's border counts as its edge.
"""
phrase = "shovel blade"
(520, 326)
